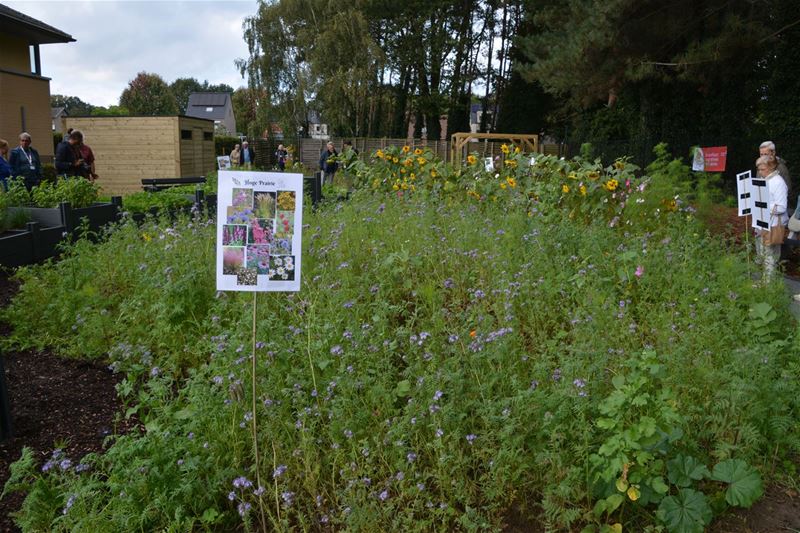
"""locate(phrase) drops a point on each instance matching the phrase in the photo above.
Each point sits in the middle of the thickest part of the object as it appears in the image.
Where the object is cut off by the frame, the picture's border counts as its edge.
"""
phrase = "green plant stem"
(255, 417)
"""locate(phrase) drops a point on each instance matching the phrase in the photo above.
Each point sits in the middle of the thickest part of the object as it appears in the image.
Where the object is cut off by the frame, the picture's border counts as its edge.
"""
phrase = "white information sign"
(489, 164)
(259, 223)
(743, 192)
(223, 162)
(759, 197)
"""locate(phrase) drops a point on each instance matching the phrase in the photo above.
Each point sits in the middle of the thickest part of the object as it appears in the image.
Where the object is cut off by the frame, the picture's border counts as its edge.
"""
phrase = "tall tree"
(73, 105)
(148, 94)
(182, 88)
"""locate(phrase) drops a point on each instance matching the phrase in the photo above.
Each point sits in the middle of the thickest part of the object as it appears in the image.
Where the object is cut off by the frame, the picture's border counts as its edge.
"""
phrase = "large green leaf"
(683, 470)
(687, 512)
(745, 482)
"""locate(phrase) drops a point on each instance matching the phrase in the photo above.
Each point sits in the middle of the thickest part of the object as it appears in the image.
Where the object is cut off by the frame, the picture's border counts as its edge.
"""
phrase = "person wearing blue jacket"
(5, 168)
(25, 162)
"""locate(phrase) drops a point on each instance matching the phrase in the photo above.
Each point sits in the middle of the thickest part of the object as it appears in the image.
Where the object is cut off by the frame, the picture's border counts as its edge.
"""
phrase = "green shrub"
(143, 202)
(79, 192)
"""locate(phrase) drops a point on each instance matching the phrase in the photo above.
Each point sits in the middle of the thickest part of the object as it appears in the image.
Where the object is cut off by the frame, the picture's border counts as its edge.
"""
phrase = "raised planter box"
(31, 245)
(97, 215)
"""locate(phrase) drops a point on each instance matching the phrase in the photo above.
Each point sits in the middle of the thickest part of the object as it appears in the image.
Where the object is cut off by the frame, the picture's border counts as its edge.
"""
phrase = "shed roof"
(56, 112)
(37, 32)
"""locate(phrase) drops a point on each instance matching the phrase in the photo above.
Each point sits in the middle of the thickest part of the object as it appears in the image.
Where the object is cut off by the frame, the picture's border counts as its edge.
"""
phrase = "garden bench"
(159, 184)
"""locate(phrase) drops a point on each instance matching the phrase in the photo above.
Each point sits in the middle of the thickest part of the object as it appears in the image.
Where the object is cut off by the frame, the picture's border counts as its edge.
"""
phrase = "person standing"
(768, 148)
(86, 153)
(766, 166)
(236, 156)
(248, 156)
(24, 161)
(328, 163)
(281, 154)
(68, 159)
(5, 168)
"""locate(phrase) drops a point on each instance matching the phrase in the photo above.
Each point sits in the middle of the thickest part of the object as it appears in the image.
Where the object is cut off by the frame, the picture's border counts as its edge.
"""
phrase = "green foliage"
(8, 218)
(223, 144)
(144, 202)
(79, 192)
(744, 482)
(74, 106)
(111, 111)
(148, 94)
(448, 358)
(687, 512)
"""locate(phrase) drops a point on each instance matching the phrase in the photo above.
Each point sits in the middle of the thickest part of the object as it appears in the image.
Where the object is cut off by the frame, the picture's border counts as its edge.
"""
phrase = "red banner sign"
(710, 159)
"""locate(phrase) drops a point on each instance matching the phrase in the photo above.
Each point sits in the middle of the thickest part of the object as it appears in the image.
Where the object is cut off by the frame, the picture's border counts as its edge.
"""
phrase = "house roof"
(208, 105)
(56, 112)
(37, 32)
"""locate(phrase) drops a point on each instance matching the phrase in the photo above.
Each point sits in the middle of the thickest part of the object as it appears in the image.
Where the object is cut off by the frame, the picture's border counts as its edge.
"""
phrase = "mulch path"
(54, 402)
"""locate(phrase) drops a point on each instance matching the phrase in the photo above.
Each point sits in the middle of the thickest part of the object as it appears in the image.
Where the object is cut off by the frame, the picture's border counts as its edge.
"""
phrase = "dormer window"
(209, 109)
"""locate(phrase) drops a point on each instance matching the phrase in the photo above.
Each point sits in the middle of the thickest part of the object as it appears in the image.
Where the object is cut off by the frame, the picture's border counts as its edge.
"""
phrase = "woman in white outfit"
(776, 203)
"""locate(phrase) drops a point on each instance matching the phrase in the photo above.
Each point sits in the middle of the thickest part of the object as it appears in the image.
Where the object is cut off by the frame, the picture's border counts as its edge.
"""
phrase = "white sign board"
(259, 223)
(743, 192)
(223, 162)
(489, 164)
(759, 197)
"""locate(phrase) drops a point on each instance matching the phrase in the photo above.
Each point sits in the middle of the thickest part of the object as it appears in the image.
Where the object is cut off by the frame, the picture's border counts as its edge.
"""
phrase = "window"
(186, 135)
(208, 135)
(209, 109)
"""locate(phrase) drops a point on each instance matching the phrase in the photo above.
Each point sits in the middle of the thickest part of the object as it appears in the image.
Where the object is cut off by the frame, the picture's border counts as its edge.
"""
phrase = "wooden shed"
(129, 149)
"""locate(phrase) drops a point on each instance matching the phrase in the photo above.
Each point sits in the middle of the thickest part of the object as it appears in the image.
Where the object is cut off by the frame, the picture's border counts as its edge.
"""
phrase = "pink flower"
(639, 271)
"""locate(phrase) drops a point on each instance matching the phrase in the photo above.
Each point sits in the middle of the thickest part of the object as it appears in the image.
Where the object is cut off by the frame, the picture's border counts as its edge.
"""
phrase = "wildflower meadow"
(561, 342)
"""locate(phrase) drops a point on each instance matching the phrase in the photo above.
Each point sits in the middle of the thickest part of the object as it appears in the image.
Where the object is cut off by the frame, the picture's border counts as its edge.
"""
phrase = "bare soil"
(55, 402)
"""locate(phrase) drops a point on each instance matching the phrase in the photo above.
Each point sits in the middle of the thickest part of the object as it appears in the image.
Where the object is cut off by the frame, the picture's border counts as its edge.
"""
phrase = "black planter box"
(31, 245)
(97, 215)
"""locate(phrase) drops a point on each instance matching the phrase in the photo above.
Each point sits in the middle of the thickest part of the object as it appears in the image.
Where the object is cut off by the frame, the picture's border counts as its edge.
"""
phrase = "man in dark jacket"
(328, 164)
(68, 157)
(24, 161)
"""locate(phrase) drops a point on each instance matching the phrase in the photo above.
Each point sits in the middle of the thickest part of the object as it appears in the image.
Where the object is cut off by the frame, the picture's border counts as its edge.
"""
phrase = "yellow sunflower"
(471, 159)
(565, 188)
(611, 185)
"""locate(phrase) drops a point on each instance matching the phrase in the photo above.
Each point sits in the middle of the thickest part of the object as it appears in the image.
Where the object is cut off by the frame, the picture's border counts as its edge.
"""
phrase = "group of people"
(243, 156)
(21, 161)
(74, 157)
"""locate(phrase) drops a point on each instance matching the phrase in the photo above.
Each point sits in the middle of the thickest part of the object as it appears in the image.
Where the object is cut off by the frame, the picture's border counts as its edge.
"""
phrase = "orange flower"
(406, 149)
(473, 333)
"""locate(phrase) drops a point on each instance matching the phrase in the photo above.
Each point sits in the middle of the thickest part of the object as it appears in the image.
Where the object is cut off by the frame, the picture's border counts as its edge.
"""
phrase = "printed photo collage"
(257, 236)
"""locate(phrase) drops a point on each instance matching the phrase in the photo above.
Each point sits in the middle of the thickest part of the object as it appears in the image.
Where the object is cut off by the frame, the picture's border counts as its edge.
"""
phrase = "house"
(316, 128)
(57, 116)
(475, 115)
(24, 92)
(129, 149)
(213, 106)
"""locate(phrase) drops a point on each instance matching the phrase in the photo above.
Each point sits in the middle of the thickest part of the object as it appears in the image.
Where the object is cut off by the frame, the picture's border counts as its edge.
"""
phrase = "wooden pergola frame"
(527, 142)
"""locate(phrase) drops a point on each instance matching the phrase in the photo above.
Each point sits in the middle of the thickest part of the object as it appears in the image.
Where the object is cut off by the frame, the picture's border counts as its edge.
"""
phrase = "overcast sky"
(115, 40)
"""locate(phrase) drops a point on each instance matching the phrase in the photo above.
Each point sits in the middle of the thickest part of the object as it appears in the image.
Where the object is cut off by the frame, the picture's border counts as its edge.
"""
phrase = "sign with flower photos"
(259, 223)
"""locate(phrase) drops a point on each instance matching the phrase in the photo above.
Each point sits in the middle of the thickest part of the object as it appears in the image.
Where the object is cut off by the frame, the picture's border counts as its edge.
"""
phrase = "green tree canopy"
(148, 94)
(73, 105)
